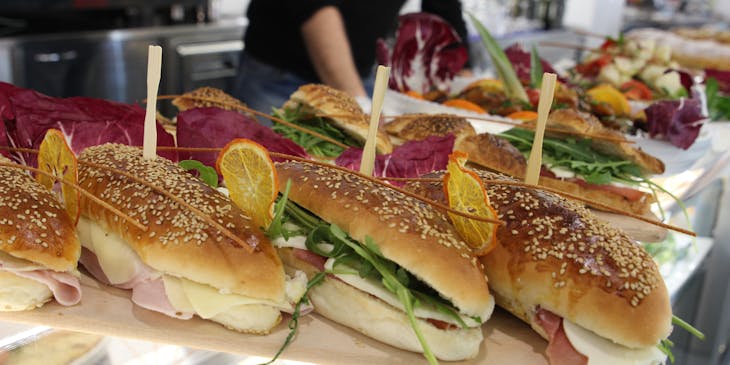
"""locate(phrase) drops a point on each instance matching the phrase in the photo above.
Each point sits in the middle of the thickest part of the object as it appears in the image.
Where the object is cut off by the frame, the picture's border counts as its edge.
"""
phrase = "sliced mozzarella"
(295, 242)
(601, 351)
(19, 293)
(119, 262)
(562, 172)
(377, 289)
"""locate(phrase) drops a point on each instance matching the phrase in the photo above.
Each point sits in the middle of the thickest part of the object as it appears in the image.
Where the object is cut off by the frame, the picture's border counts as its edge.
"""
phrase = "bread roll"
(555, 254)
(340, 108)
(416, 127)
(409, 232)
(178, 242)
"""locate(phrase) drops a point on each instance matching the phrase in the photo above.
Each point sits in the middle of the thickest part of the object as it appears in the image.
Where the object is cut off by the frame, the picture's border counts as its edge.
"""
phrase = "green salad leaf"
(313, 145)
(206, 173)
(576, 155)
(717, 105)
(535, 68)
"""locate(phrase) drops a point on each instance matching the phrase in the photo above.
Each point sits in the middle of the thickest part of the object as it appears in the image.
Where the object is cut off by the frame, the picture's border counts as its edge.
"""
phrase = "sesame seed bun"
(416, 127)
(34, 226)
(407, 231)
(555, 254)
(178, 242)
(317, 99)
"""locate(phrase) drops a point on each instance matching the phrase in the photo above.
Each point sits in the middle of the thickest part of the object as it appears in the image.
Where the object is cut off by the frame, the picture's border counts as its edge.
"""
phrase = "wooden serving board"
(109, 311)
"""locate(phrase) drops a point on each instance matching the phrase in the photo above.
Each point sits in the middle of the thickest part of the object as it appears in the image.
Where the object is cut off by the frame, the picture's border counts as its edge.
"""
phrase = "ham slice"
(559, 351)
(148, 288)
(311, 258)
(64, 286)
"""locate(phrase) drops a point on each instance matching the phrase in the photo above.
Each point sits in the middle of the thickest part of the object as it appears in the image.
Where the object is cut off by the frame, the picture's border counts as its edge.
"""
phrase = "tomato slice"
(636, 90)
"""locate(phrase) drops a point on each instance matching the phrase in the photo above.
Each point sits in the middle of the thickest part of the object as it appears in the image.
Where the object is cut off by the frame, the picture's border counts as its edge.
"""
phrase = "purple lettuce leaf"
(722, 77)
(214, 127)
(685, 79)
(412, 159)
(4, 140)
(84, 122)
(427, 54)
(678, 121)
(521, 62)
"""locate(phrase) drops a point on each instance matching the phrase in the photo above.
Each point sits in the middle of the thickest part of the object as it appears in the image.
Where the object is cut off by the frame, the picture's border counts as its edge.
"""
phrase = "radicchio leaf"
(521, 62)
(678, 121)
(214, 127)
(427, 54)
(84, 122)
(684, 78)
(722, 77)
(3, 140)
(412, 159)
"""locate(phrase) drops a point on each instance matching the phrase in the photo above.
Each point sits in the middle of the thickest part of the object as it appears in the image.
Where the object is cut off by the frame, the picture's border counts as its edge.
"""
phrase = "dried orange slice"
(251, 178)
(464, 104)
(465, 192)
(56, 158)
(415, 94)
(612, 97)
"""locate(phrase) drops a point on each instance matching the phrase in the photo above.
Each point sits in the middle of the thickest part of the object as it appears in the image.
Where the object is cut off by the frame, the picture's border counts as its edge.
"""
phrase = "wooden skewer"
(256, 112)
(81, 190)
(379, 182)
(561, 193)
(534, 163)
(154, 66)
(367, 161)
(178, 200)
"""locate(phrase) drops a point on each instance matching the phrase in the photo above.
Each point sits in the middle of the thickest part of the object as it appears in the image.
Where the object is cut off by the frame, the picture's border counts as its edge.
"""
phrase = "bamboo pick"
(81, 190)
(543, 110)
(154, 65)
(367, 162)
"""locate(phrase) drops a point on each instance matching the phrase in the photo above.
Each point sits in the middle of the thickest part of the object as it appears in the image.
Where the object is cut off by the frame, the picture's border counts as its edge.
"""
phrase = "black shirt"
(274, 31)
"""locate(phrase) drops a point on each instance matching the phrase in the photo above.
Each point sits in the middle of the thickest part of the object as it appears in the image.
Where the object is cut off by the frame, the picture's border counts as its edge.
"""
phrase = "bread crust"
(358, 310)
(33, 224)
(574, 121)
(407, 231)
(178, 242)
(497, 154)
(416, 127)
(346, 114)
(555, 254)
(224, 101)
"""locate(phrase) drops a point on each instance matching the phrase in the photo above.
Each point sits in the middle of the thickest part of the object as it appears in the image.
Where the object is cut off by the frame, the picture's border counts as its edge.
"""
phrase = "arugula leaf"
(535, 68)
(313, 145)
(206, 173)
(294, 321)
(717, 105)
(577, 156)
(275, 228)
(665, 346)
(687, 327)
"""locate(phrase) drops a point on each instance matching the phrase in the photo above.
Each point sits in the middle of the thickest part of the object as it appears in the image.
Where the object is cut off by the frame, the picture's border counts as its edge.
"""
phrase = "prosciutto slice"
(148, 287)
(559, 351)
(64, 286)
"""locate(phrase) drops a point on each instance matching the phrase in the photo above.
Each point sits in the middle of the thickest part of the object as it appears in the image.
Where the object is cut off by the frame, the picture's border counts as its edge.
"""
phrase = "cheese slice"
(377, 289)
(294, 242)
(19, 293)
(119, 262)
(601, 351)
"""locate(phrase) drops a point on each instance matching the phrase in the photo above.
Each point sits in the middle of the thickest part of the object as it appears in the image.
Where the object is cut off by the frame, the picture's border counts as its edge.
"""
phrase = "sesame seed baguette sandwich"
(605, 171)
(182, 265)
(39, 248)
(390, 266)
(331, 112)
(593, 293)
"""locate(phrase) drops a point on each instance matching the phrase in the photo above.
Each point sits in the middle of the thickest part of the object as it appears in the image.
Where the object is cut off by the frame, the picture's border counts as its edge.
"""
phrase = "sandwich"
(182, 265)
(390, 266)
(608, 172)
(39, 248)
(416, 127)
(205, 97)
(586, 287)
(329, 112)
